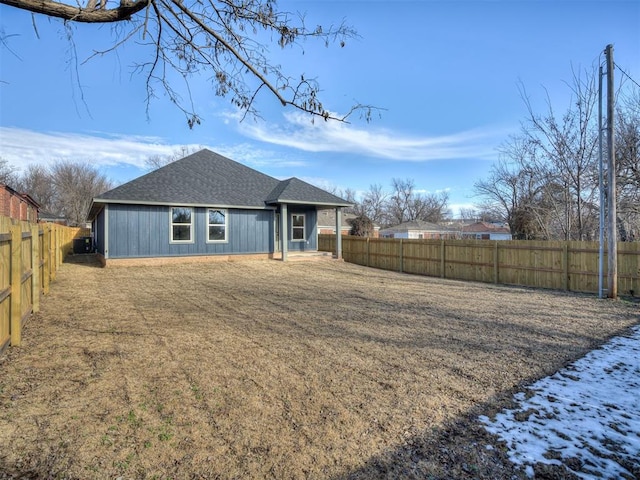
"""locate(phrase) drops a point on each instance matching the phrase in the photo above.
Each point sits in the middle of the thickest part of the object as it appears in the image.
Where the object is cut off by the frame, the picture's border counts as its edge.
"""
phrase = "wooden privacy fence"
(30, 255)
(557, 265)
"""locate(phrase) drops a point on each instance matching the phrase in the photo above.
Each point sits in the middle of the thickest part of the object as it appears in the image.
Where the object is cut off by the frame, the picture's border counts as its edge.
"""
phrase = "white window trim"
(304, 227)
(226, 226)
(171, 240)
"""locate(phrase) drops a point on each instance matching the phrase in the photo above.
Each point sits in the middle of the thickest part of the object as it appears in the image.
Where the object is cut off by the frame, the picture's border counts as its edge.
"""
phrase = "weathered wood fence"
(30, 255)
(557, 265)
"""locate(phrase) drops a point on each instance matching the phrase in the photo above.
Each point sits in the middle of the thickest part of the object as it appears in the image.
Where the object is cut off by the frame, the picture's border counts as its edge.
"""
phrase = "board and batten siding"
(311, 230)
(98, 232)
(144, 231)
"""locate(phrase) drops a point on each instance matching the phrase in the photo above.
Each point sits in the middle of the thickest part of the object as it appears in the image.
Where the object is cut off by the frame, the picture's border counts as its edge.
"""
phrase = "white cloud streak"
(300, 133)
(22, 147)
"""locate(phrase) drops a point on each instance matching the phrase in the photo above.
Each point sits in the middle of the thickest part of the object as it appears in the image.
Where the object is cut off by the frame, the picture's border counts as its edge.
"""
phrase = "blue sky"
(446, 73)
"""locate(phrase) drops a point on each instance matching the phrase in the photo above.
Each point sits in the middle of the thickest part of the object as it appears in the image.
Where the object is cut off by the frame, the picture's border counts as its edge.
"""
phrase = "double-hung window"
(297, 227)
(181, 225)
(217, 225)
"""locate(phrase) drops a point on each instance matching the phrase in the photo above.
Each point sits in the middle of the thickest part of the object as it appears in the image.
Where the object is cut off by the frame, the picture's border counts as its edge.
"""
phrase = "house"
(327, 223)
(420, 229)
(20, 206)
(45, 216)
(486, 231)
(207, 205)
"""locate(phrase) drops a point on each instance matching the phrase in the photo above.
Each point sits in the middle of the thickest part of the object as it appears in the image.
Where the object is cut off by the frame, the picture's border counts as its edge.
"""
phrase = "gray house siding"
(311, 230)
(98, 232)
(143, 231)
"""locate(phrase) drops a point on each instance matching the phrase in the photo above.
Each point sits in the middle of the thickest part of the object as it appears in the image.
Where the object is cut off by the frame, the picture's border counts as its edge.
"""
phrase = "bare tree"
(469, 214)
(373, 204)
(154, 162)
(399, 203)
(7, 174)
(225, 40)
(406, 205)
(36, 181)
(433, 207)
(75, 186)
(566, 147)
(349, 194)
(513, 191)
(628, 162)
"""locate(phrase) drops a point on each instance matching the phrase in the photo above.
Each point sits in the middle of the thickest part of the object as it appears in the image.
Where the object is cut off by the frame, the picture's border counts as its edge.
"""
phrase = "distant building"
(486, 231)
(418, 229)
(327, 223)
(53, 218)
(16, 205)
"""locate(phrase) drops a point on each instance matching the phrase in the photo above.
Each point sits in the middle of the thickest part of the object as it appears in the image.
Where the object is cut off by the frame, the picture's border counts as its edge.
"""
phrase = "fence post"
(35, 268)
(52, 252)
(442, 266)
(368, 250)
(565, 266)
(16, 284)
(46, 258)
(401, 259)
(495, 262)
(58, 248)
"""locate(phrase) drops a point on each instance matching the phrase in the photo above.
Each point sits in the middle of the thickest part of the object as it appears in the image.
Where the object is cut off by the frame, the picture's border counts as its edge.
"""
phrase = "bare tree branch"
(228, 40)
(77, 14)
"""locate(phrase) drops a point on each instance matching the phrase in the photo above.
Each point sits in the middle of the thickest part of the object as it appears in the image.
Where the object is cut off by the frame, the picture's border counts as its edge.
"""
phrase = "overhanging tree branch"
(226, 39)
(76, 14)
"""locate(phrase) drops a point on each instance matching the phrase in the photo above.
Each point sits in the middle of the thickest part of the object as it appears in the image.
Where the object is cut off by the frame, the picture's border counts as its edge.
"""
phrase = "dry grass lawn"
(265, 369)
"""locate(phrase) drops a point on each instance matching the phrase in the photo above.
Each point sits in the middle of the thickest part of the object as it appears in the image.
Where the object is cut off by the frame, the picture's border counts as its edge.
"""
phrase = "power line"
(626, 74)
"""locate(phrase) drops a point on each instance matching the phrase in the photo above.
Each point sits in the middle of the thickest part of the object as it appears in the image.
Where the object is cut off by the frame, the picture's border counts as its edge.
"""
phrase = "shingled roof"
(417, 225)
(206, 178)
(295, 190)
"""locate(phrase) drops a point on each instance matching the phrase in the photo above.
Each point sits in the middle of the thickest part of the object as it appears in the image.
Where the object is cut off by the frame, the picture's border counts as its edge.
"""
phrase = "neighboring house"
(52, 218)
(327, 223)
(486, 231)
(206, 204)
(419, 229)
(19, 206)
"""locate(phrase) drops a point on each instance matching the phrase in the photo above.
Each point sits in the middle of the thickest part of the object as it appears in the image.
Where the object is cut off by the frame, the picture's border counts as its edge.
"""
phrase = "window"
(181, 224)
(217, 225)
(297, 227)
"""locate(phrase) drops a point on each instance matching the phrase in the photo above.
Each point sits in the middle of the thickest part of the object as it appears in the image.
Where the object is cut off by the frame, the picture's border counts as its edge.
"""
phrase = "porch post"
(284, 231)
(338, 233)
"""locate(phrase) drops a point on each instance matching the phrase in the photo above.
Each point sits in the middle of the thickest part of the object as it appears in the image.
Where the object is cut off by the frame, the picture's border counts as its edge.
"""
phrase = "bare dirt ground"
(266, 369)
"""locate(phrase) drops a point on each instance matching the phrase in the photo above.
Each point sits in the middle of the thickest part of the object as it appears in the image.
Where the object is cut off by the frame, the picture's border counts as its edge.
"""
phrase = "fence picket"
(543, 264)
(30, 255)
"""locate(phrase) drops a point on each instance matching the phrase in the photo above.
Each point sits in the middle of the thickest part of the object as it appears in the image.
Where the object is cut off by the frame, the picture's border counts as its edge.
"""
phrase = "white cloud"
(21, 147)
(457, 207)
(299, 132)
(257, 157)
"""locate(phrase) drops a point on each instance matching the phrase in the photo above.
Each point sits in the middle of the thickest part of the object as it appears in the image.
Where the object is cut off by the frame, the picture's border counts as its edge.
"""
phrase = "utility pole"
(612, 278)
(601, 190)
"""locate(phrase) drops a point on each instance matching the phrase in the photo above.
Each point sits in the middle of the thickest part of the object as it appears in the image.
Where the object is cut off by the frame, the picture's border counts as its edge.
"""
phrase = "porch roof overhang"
(318, 205)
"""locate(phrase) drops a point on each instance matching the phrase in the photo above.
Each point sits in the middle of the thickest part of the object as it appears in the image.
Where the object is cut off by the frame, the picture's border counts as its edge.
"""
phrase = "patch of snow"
(529, 471)
(588, 412)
